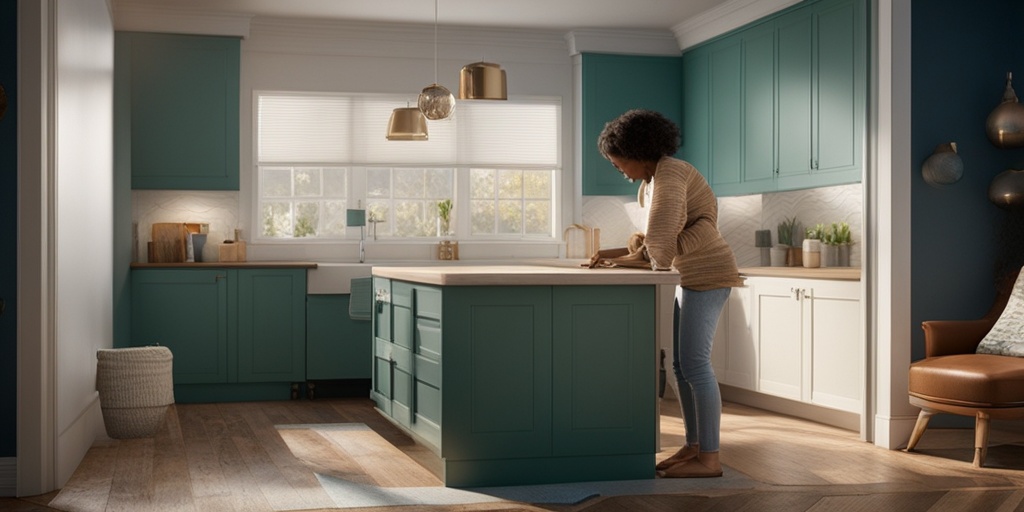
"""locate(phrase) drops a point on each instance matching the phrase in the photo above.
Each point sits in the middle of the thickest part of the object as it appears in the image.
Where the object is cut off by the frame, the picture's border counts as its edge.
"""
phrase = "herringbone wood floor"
(229, 456)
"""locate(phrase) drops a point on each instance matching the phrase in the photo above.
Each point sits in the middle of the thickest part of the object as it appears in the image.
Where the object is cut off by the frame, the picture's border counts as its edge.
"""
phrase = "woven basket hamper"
(135, 387)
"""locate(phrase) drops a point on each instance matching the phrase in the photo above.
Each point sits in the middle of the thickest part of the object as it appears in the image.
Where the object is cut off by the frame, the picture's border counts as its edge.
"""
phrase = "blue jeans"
(699, 397)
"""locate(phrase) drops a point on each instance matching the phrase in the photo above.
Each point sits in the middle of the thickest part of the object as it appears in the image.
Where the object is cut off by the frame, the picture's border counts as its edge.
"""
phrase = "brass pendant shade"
(1007, 189)
(436, 102)
(1005, 125)
(407, 123)
(483, 81)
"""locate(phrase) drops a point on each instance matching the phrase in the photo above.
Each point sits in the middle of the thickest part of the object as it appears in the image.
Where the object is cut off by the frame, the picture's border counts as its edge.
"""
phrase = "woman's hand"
(602, 257)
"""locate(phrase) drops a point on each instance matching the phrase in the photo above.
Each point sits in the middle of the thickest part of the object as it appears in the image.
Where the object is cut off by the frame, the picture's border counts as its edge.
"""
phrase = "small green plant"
(444, 212)
(785, 231)
(842, 231)
(829, 237)
(815, 233)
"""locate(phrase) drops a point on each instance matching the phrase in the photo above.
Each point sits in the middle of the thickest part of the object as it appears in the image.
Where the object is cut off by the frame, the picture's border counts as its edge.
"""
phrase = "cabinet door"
(725, 66)
(186, 311)
(759, 108)
(795, 80)
(271, 325)
(337, 347)
(734, 355)
(696, 113)
(497, 372)
(426, 382)
(402, 355)
(837, 343)
(184, 110)
(381, 384)
(840, 88)
(604, 360)
(611, 85)
(778, 329)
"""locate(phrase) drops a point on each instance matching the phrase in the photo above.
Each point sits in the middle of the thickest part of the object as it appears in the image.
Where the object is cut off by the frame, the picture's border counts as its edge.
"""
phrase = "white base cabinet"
(799, 339)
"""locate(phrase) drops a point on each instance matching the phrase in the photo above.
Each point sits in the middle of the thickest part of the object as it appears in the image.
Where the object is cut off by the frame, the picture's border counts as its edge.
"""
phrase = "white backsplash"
(219, 209)
(618, 217)
(739, 217)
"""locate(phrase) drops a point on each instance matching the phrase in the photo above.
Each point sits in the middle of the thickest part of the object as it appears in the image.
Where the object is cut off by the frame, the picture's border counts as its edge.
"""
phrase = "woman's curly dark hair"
(643, 135)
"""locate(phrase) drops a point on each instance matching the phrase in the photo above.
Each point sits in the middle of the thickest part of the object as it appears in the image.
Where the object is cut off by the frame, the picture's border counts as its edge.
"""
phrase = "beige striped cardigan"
(682, 228)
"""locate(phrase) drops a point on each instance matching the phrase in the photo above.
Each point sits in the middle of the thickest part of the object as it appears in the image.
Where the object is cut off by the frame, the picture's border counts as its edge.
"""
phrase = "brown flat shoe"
(684, 454)
(692, 468)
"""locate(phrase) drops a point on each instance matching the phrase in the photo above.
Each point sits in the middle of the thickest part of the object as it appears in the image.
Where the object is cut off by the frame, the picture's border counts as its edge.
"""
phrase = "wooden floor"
(214, 457)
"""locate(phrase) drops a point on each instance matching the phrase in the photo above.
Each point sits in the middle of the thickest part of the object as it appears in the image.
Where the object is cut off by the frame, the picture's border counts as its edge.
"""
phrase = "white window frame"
(356, 187)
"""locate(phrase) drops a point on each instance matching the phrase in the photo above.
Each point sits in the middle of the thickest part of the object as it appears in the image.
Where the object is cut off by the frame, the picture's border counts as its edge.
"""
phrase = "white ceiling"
(539, 14)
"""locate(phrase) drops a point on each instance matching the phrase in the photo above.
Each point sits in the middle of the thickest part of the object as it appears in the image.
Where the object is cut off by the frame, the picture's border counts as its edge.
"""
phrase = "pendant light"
(483, 81)
(407, 123)
(436, 101)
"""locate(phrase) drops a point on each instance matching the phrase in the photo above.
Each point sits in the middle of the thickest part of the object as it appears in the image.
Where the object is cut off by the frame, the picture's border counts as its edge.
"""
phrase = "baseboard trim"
(8, 476)
(828, 416)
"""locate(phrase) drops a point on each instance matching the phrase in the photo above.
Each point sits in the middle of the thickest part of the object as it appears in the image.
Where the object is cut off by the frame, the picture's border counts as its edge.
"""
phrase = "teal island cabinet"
(236, 331)
(521, 374)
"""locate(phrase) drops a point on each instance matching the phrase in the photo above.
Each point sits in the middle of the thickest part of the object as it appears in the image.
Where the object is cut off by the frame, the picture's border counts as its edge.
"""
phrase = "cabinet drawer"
(428, 303)
(428, 371)
(428, 332)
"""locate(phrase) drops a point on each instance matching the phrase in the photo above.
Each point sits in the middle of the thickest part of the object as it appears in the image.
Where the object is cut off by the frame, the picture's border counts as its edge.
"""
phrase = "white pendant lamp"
(407, 123)
(436, 101)
(483, 81)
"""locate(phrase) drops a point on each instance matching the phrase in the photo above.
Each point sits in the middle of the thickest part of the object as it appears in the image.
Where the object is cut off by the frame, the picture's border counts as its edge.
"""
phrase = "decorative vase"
(794, 257)
(778, 255)
(1005, 125)
(829, 255)
(811, 253)
(1007, 189)
(944, 166)
(843, 255)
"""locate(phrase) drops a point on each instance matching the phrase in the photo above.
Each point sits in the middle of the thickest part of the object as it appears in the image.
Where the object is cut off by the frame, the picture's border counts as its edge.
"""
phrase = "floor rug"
(358, 468)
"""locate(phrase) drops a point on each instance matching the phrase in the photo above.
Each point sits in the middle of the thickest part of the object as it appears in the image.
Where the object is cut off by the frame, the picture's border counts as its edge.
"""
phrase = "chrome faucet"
(362, 244)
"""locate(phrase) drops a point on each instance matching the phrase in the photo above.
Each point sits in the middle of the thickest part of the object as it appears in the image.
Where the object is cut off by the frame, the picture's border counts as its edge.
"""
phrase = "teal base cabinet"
(337, 347)
(514, 385)
(235, 334)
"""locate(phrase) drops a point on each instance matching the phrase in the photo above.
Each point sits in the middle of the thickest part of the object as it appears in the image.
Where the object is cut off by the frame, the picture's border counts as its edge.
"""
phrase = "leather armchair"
(953, 379)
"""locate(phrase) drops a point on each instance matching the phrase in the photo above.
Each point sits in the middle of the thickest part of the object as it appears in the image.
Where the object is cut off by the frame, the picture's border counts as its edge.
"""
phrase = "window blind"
(350, 129)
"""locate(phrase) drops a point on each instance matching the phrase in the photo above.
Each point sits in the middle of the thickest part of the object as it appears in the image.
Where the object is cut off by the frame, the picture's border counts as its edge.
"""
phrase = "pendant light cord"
(435, 41)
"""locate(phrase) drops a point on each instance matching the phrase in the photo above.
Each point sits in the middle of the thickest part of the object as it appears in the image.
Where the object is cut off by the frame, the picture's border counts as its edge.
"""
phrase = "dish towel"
(360, 304)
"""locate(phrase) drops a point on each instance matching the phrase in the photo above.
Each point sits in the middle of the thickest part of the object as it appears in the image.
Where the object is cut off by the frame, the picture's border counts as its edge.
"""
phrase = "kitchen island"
(521, 374)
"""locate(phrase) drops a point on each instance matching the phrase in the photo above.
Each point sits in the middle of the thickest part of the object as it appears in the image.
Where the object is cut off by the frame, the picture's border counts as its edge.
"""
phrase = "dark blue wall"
(961, 54)
(8, 229)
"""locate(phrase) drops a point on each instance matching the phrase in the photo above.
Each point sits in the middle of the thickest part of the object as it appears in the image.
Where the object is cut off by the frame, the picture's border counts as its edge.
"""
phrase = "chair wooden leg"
(919, 427)
(980, 439)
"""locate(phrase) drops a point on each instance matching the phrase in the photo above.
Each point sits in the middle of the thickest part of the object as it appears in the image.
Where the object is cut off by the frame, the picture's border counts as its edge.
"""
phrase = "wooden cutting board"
(168, 243)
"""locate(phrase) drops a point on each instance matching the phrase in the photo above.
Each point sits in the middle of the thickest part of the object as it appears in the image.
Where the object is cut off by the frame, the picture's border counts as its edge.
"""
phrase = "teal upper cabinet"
(184, 115)
(613, 84)
(785, 101)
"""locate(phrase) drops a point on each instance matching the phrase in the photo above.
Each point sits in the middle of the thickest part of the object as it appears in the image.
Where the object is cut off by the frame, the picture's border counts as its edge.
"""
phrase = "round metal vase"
(1005, 125)
(944, 166)
(1007, 189)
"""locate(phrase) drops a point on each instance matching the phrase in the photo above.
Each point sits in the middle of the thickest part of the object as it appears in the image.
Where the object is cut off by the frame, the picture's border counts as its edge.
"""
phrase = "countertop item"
(557, 272)
(838, 273)
(229, 264)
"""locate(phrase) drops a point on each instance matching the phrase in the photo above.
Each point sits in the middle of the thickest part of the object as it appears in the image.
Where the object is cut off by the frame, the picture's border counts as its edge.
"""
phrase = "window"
(320, 154)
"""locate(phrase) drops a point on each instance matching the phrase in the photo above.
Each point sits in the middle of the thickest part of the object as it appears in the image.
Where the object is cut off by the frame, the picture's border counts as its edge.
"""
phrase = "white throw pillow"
(1007, 335)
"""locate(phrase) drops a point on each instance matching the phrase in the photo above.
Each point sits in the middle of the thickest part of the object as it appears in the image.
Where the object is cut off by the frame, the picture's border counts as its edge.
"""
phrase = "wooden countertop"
(228, 264)
(837, 273)
(567, 273)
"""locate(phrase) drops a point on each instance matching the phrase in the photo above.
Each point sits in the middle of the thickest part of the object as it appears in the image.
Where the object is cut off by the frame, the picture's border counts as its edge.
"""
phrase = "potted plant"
(843, 242)
(829, 247)
(444, 217)
(787, 229)
(779, 252)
